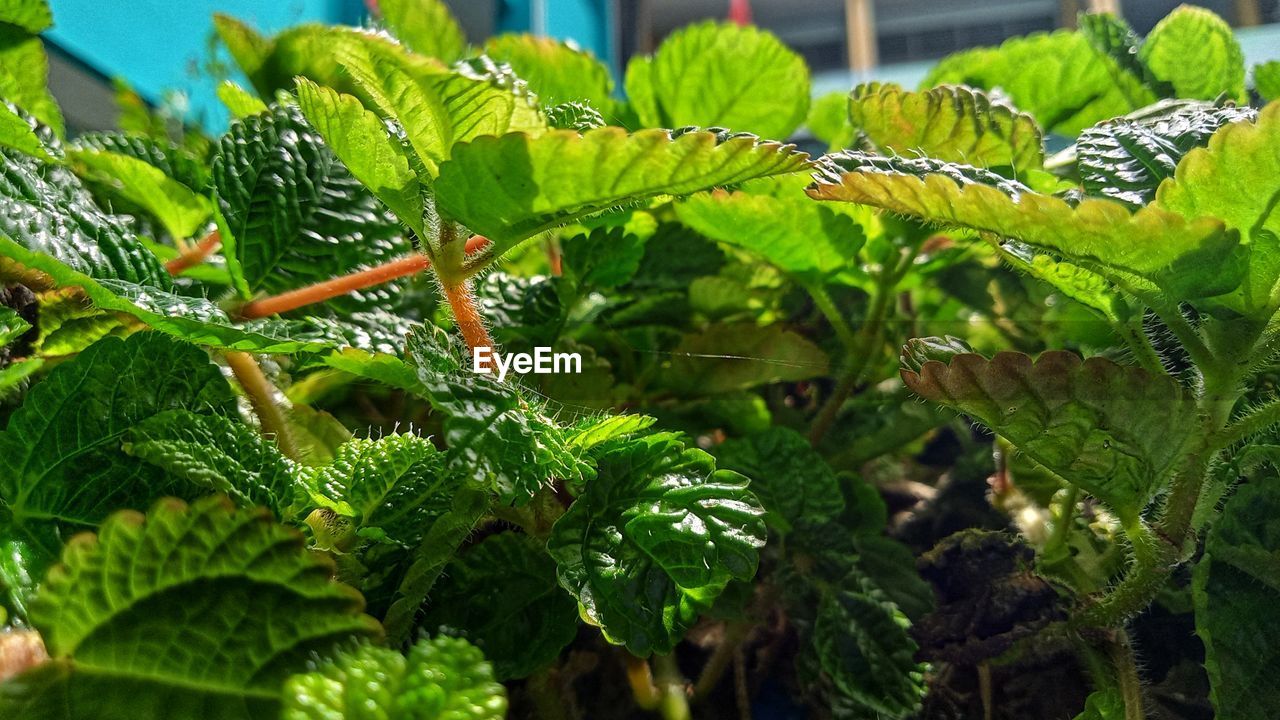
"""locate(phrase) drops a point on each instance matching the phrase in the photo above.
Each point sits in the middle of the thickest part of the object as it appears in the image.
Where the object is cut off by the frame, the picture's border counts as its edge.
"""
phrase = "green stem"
(640, 678)
(863, 348)
(548, 698)
(674, 703)
(1062, 520)
(1153, 560)
(1126, 669)
(1251, 424)
(827, 306)
(735, 632)
(1191, 341)
(1143, 351)
(444, 538)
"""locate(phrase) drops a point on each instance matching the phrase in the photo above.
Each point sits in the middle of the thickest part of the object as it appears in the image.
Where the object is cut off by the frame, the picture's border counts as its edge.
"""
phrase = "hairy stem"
(262, 396)
(1187, 336)
(345, 284)
(1143, 351)
(1153, 560)
(195, 254)
(1126, 669)
(1249, 425)
(335, 287)
(467, 316)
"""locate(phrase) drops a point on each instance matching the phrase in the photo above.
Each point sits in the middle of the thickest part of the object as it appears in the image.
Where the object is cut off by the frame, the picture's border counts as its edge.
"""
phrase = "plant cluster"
(246, 470)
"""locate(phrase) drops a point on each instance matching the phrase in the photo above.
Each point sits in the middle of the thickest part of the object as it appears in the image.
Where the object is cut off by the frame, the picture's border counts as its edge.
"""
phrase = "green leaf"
(133, 617)
(296, 214)
(1113, 430)
(791, 480)
(1266, 79)
(713, 74)
(576, 116)
(45, 209)
(443, 678)
(558, 71)
(862, 644)
(591, 432)
(774, 219)
(1222, 181)
(1236, 587)
(178, 162)
(396, 484)
(447, 533)
(14, 375)
(1113, 37)
(217, 453)
(1059, 78)
(438, 108)
(30, 15)
(654, 539)
(18, 131)
(67, 324)
(1084, 286)
(12, 326)
(24, 74)
(497, 437)
(604, 257)
(952, 123)
(361, 141)
(240, 102)
(829, 121)
(272, 64)
(1196, 52)
(1103, 705)
(1189, 258)
(728, 357)
(182, 212)
(426, 26)
(513, 187)
(250, 50)
(61, 465)
(1127, 158)
(202, 322)
(502, 595)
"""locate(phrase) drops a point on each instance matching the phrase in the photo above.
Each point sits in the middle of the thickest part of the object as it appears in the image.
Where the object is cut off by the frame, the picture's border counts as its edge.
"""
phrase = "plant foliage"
(954, 421)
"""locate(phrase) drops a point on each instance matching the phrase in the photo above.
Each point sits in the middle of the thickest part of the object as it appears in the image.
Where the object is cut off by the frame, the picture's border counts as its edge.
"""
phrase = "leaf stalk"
(262, 396)
(345, 284)
(195, 254)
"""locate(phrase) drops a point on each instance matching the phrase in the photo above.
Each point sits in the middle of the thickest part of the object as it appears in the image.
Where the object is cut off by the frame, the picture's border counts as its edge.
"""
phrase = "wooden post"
(1248, 13)
(1068, 11)
(1105, 6)
(860, 33)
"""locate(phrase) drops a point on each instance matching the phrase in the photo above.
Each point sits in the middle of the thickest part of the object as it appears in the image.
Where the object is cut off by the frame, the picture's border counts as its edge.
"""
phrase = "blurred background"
(166, 50)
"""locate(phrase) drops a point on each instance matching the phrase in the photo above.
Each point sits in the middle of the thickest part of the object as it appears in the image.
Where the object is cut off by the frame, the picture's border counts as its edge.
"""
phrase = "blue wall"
(158, 45)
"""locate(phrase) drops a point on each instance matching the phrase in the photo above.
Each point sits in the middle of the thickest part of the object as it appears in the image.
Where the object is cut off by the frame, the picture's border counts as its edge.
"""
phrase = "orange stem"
(321, 291)
(195, 254)
(554, 258)
(467, 315)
